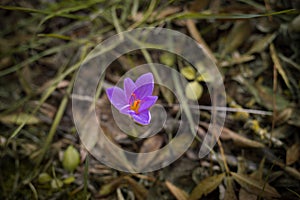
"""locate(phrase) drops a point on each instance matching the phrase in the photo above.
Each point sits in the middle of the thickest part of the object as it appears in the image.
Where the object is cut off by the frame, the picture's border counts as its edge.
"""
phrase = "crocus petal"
(117, 97)
(143, 91)
(125, 110)
(147, 102)
(129, 87)
(143, 118)
(144, 79)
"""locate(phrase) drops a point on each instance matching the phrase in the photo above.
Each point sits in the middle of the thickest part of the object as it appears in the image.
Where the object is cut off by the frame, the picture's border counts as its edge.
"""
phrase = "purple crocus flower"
(136, 98)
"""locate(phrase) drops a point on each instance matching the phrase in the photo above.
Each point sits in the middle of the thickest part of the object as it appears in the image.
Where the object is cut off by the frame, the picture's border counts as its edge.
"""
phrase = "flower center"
(135, 104)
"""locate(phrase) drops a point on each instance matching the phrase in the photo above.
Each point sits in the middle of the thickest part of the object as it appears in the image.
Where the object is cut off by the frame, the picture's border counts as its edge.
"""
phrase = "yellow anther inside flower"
(135, 106)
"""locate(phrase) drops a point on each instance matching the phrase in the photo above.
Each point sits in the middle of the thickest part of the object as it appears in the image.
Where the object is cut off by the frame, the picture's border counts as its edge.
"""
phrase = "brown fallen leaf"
(245, 195)
(177, 192)
(229, 193)
(283, 116)
(238, 34)
(295, 118)
(236, 60)
(292, 154)
(258, 174)
(260, 44)
(139, 190)
(263, 94)
(290, 170)
(266, 95)
(255, 186)
(206, 186)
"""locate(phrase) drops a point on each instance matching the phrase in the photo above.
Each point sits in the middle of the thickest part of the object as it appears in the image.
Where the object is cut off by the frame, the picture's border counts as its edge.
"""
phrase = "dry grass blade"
(278, 66)
(228, 134)
(19, 118)
(240, 140)
(56, 121)
(36, 57)
(147, 14)
(197, 36)
(192, 15)
(255, 186)
(236, 60)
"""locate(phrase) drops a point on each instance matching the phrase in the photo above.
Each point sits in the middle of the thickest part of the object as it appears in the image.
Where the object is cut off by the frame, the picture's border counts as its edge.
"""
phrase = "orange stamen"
(136, 104)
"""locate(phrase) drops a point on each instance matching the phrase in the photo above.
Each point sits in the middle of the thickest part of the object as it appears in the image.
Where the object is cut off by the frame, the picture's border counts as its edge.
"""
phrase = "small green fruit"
(44, 178)
(69, 180)
(193, 90)
(56, 184)
(71, 159)
(188, 72)
(167, 59)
